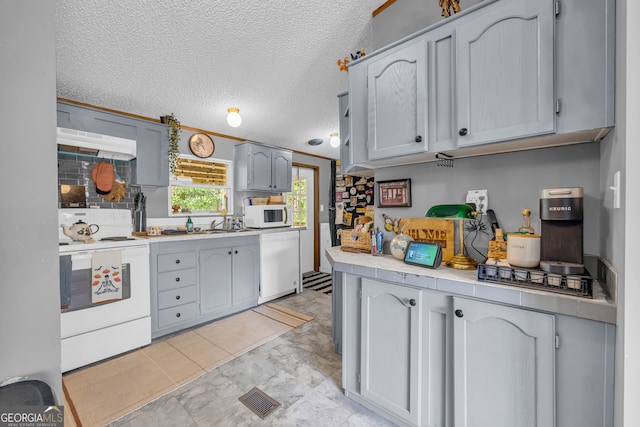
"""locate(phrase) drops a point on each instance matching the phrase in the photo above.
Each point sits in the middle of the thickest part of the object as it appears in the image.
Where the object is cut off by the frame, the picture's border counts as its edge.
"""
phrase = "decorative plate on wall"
(201, 145)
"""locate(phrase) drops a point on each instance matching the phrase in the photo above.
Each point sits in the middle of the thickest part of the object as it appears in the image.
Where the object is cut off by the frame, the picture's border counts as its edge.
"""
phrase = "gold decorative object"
(460, 261)
(449, 4)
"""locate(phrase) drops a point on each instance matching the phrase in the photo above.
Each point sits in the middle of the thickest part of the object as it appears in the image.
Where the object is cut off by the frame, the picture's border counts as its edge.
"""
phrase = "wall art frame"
(394, 193)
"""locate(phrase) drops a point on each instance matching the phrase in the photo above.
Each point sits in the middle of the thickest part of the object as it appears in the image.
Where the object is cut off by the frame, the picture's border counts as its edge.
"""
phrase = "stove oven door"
(92, 332)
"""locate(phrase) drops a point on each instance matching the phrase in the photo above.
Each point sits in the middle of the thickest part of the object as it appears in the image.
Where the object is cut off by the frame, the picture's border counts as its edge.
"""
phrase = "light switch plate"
(480, 198)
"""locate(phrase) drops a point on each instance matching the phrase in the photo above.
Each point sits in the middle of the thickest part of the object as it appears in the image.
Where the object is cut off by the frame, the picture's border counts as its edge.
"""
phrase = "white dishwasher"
(279, 264)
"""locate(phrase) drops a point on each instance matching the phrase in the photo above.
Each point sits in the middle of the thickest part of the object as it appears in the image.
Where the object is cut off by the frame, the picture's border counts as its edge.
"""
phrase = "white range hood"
(93, 144)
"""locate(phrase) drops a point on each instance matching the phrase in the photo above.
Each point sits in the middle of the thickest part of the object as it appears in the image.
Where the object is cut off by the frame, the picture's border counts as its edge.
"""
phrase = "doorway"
(304, 198)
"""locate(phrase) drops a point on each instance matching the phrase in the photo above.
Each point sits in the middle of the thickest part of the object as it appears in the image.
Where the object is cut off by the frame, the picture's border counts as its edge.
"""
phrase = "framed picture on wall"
(394, 194)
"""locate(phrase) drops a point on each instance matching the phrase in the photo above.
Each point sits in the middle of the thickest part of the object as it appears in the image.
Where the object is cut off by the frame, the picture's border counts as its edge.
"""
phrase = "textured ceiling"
(275, 60)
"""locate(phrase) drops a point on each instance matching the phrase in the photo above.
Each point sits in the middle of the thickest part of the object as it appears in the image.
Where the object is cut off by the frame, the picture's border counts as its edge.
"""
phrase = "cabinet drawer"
(175, 297)
(178, 314)
(176, 279)
(177, 261)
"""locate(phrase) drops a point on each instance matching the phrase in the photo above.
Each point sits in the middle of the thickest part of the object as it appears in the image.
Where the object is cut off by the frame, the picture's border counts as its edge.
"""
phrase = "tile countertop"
(217, 235)
(466, 283)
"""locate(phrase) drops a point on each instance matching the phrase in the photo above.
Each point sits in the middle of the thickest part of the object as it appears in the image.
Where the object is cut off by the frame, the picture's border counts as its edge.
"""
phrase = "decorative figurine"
(449, 4)
(342, 63)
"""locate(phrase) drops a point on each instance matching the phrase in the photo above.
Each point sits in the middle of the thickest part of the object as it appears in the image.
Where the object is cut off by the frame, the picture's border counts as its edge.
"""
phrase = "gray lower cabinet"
(390, 353)
(152, 139)
(198, 281)
(504, 361)
(228, 278)
(262, 168)
(422, 357)
(395, 348)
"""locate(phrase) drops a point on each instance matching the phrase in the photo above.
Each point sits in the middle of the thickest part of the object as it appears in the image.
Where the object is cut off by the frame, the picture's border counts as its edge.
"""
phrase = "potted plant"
(174, 139)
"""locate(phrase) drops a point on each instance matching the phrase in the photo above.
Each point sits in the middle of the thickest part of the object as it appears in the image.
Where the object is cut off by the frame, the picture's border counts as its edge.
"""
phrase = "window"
(298, 199)
(201, 186)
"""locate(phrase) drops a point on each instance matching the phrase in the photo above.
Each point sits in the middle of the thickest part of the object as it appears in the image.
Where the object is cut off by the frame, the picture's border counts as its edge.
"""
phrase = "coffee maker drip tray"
(562, 267)
(580, 285)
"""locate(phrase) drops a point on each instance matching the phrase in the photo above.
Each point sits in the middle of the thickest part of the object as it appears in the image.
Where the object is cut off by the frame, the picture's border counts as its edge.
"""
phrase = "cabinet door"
(281, 171)
(442, 82)
(397, 87)
(504, 366)
(345, 138)
(152, 155)
(215, 280)
(391, 347)
(245, 275)
(504, 68)
(259, 168)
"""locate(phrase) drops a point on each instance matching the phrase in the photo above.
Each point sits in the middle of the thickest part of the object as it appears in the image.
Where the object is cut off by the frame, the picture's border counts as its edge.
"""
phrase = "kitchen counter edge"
(219, 235)
(465, 283)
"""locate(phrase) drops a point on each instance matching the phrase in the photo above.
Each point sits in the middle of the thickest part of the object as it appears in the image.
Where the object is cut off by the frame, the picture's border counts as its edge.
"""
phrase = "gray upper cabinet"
(502, 75)
(345, 136)
(397, 97)
(262, 168)
(504, 366)
(152, 139)
(504, 69)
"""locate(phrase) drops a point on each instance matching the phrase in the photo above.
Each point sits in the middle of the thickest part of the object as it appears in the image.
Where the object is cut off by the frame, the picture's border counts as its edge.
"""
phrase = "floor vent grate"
(259, 402)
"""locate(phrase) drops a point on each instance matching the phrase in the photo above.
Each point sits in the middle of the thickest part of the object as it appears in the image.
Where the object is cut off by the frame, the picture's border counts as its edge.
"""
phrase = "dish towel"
(106, 276)
(65, 281)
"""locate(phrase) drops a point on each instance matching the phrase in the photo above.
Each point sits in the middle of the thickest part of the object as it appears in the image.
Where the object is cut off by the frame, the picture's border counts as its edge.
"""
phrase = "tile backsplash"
(76, 170)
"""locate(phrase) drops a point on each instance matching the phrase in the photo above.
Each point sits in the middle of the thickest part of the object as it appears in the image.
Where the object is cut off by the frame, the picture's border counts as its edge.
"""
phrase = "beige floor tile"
(106, 391)
(172, 362)
(290, 311)
(81, 378)
(110, 398)
(280, 316)
(202, 352)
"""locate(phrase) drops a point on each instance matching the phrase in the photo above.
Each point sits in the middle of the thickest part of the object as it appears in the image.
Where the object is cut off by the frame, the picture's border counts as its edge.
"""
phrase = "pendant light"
(233, 118)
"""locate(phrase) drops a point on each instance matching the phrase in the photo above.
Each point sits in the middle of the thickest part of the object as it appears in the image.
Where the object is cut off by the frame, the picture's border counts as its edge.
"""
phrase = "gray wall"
(513, 181)
(30, 303)
(414, 16)
(157, 197)
(623, 225)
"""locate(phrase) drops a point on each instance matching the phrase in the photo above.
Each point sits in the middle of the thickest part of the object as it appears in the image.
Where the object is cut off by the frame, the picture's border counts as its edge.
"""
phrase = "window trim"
(184, 183)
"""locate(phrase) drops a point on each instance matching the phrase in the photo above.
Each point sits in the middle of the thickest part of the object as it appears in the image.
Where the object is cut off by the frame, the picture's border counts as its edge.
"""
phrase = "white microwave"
(265, 216)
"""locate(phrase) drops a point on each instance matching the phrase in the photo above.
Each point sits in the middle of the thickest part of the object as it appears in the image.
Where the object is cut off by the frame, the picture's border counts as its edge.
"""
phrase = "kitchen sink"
(216, 231)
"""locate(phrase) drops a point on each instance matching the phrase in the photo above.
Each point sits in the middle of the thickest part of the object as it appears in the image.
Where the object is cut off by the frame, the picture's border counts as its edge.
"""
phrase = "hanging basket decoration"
(174, 140)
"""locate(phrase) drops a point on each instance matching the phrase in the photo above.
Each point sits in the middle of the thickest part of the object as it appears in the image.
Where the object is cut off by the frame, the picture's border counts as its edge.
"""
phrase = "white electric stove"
(95, 331)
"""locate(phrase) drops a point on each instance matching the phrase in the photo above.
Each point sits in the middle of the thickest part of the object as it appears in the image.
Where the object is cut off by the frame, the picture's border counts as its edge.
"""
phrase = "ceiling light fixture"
(233, 118)
(334, 141)
(315, 141)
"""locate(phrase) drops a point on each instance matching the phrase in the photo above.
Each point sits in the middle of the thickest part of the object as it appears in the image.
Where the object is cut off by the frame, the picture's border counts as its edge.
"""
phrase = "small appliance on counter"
(561, 243)
(266, 216)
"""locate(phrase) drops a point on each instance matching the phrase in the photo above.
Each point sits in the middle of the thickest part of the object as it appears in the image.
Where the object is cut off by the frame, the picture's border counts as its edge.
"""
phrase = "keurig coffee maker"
(561, 244)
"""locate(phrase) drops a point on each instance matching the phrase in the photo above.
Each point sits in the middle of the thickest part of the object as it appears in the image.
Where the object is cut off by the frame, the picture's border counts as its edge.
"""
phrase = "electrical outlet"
(479, 198)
